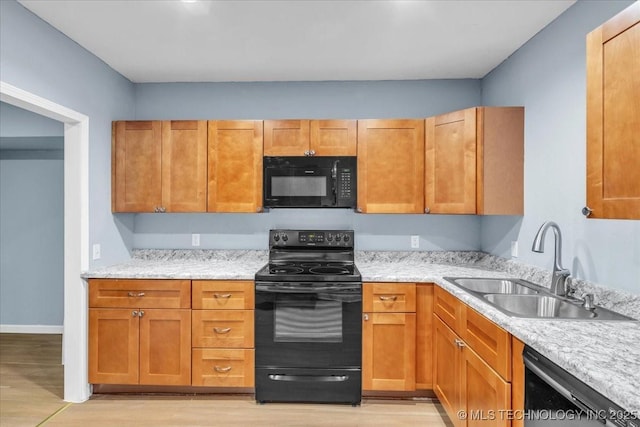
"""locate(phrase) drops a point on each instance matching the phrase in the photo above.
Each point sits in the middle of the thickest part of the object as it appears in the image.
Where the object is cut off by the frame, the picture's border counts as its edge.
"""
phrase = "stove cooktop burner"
(328, 270)
(283, 269)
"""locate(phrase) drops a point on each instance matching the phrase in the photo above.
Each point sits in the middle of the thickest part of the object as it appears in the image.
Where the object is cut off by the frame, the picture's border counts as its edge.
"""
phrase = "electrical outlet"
(195, 239)
(96, 251)
(514, 249)
(415, 242)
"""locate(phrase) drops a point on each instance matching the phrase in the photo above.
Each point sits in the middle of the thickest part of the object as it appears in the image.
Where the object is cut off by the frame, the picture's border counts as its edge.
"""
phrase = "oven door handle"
(564, 391)
(310, 378)
(303, 290)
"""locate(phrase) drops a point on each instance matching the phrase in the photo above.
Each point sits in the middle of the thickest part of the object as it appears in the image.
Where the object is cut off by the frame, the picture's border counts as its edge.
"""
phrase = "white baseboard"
(31, 329)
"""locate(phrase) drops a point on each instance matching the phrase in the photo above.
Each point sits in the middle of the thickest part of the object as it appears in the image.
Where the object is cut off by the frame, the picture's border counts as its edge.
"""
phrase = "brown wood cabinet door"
(286, 137)
(485, 393)
(136, 176)
(489, 340)
(447, 364)
(389, 351)
(184, 166)
(235, 166)
(333, 137)
(391, 166)
(517, 381)
(165, 347)
(424, 336)
(450, 163)
(113, 346)
(613, 117)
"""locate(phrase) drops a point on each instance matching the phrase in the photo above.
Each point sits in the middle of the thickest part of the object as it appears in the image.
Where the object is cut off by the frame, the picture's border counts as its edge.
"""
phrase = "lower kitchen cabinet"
(471, 365)
(139, 332)
(223, 333)
(389, 337)
(140, 346)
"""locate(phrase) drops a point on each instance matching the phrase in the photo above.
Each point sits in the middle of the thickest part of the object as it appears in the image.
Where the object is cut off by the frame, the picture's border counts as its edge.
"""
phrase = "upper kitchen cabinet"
(235, 166)
(159, 166)
(391, 166)
(474, 162)
(310, 138)
(613, 117)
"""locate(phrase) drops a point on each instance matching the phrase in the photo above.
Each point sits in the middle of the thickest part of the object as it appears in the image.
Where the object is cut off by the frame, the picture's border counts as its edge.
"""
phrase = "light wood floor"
(31, 392)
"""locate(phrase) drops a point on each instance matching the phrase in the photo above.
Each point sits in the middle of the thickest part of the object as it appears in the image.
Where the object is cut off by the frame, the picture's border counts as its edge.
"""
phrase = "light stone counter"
(603, 354)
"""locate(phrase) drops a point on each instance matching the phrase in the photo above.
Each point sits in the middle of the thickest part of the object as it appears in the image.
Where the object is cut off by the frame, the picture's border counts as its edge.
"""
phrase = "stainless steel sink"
(494, 286)
(519, 298)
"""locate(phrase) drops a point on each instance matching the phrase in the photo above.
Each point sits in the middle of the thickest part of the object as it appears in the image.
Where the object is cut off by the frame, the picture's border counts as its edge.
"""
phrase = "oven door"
(308, 325)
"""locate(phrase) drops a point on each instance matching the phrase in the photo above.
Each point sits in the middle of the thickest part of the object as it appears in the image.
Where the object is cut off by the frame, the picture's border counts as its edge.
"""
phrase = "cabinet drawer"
(223, 295)
(492, 343)
(389, 298)
(223, 368)
(108, 293)
(448, 308)
(222, 328)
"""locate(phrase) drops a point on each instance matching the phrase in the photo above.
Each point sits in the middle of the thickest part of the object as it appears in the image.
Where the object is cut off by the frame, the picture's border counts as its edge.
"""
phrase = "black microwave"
(310, 182)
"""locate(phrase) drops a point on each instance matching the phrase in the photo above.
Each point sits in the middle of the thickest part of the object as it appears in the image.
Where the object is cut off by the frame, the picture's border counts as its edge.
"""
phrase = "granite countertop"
(603, 354)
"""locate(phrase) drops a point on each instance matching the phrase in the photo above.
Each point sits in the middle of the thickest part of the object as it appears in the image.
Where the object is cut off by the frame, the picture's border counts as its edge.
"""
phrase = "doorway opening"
(76, 233)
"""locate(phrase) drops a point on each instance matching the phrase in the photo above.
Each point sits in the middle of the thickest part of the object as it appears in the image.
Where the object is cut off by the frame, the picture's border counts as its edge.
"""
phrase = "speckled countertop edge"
(603, 354)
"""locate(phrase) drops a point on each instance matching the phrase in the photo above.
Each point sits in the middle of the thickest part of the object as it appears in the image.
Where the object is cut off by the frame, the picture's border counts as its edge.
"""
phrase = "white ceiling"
(299, 40)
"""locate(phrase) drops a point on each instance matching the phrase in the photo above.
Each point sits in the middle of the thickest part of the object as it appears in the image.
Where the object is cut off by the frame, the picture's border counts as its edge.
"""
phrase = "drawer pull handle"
(391, 298)
(221, 330)
(136, 294)
(221, 369)
(222, 295)
(459, 343)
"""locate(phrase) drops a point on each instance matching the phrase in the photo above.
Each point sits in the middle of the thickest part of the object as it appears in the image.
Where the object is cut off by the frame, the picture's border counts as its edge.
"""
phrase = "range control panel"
(318, 238)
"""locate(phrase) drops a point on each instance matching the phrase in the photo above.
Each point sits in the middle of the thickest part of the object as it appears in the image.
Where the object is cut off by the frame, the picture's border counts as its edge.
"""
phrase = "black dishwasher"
(554, 398)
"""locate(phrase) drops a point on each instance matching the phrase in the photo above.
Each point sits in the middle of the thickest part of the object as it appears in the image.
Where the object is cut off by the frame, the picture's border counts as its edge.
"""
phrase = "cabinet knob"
(216, 295)
(141, 313)
(365, 317)
(259, 210)
(312, 153)
(163, 209)
(136, 294)
(427, 210)
(306, 153)
(459, 343)
(359, 209)
(221, 330)
(222, 369)
(134, 313)
(587, 211)
(388, 298)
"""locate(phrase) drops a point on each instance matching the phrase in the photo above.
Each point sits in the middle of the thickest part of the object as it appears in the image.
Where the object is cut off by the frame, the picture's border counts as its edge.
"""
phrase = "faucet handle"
(588, 302)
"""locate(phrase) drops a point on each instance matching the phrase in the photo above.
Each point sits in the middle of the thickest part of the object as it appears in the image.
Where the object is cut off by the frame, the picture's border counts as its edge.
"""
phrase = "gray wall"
(547, 76)
(353, 100)
(38, 58)
(31, 218)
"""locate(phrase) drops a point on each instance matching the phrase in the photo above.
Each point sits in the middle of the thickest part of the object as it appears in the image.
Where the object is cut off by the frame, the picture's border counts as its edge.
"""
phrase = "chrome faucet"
(559, 276)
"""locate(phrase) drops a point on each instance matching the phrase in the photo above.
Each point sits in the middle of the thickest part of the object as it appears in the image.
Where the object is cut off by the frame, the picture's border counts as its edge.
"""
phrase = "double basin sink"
(519, 298)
